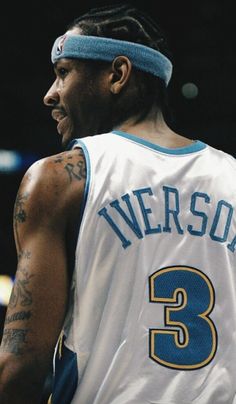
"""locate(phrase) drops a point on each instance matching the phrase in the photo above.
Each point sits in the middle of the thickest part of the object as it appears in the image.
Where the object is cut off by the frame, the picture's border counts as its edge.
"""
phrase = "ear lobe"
(121, 70)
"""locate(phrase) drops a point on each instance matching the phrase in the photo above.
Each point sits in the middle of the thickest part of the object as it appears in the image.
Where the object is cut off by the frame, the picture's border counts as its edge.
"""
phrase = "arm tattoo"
(19, 211)
(58, 159)
(13, 340)
(20, 294)
(24, 254)
(19, 215)
(20, 315)
(76, 171)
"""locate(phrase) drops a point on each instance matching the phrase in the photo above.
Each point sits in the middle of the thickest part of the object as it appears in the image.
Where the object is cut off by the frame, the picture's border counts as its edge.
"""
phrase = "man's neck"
(155, 130)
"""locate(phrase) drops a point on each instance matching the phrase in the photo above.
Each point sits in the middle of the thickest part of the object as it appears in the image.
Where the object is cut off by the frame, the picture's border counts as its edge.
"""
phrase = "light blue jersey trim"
(72, 247)
(81, 144)
(193, 148)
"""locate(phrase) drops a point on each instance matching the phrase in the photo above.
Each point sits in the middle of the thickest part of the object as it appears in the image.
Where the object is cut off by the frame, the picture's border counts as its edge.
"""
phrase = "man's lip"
(60, 125)
(58, 115)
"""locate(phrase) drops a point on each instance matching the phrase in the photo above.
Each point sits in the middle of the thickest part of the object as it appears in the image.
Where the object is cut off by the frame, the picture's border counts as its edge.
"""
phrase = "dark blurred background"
(202, 90)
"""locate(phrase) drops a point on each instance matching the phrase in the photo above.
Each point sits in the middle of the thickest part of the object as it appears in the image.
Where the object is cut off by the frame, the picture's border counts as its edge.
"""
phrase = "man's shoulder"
(222, 157)
(56, 182)
(63, 167)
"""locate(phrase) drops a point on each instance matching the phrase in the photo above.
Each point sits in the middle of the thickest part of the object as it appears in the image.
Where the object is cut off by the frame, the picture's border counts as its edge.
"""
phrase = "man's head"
(94, 96)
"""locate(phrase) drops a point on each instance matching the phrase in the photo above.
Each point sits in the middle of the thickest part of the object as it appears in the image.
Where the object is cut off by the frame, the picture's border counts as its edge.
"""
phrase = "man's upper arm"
(48, 199)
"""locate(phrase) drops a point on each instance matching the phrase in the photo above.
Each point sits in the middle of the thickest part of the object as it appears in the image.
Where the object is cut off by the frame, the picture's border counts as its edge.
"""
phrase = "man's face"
(80, 101)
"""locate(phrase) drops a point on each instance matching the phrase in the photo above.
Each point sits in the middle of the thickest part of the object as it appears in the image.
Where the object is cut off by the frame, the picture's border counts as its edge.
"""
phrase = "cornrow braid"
(125, 22)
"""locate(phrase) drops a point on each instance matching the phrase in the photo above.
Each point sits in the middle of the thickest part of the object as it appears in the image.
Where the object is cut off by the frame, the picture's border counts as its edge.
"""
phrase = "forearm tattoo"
(19, 315)
(20, 294)
(14, 340)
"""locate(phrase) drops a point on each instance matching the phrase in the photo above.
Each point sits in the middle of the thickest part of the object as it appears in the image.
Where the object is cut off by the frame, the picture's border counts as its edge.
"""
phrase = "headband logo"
(60, 44)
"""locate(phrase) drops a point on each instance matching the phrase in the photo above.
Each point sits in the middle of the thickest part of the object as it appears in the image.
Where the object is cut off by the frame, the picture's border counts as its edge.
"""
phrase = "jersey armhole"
(79, 144)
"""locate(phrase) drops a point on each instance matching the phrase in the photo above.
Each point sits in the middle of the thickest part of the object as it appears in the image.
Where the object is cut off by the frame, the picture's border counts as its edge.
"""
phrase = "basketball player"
(126, 241)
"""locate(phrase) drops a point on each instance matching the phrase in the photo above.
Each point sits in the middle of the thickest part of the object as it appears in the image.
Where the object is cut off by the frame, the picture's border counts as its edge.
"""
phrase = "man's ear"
(120, 74)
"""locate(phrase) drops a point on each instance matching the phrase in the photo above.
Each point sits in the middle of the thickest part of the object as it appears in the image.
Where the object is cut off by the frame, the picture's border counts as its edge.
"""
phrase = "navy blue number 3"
(188, 339)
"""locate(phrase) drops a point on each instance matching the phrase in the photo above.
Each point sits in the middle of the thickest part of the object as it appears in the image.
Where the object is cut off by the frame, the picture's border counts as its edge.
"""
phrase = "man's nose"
(52, 96)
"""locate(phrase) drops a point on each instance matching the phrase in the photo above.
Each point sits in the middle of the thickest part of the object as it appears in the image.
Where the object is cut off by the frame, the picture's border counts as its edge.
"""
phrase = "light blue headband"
(99, 48)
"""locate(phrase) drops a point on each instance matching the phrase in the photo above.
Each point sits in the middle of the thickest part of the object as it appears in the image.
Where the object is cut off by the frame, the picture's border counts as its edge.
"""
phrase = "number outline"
(168, 322)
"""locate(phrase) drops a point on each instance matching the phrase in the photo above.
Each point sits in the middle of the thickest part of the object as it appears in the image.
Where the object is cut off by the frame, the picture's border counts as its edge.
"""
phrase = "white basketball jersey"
(152, 317)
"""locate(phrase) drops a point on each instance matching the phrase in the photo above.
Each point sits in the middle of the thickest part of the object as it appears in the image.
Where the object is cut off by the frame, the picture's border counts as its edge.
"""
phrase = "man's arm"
(47, 203)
